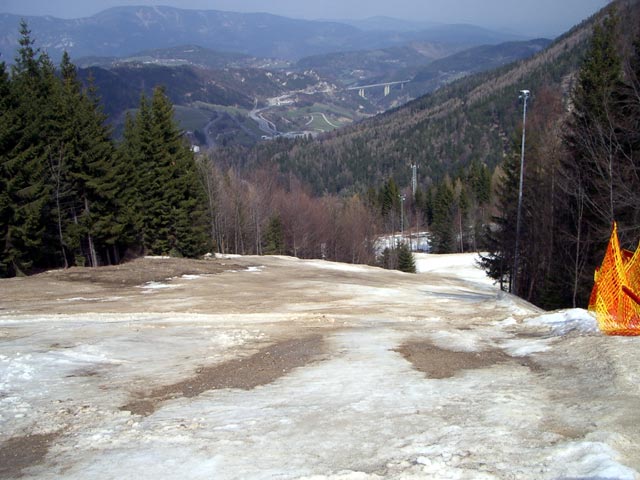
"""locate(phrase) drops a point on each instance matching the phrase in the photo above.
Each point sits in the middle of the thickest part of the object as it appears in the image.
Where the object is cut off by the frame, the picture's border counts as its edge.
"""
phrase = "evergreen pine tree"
(94, 177)
(427, 208)
(442, 229)
(6, 127)
(406, 261)
(103, 182)
(185, 221)
(25, 159)
(389, 200)
(133, 167)
(274, 237)
(501, 235)
(463, 220)
(480, 180)
(166, 202)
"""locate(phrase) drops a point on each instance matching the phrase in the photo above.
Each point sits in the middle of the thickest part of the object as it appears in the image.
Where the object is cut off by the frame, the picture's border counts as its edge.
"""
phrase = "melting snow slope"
(363, 412)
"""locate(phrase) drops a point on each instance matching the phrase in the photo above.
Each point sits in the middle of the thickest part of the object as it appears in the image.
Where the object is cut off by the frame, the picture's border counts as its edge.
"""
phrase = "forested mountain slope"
(469, 120)
(122, 85)
(474, 60)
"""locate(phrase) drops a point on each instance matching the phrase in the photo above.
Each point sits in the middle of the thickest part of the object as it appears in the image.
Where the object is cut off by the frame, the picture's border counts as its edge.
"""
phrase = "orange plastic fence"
(615, 297)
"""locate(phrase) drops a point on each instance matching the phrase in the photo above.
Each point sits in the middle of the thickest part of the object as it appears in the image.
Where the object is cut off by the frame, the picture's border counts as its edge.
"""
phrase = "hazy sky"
(532, 17)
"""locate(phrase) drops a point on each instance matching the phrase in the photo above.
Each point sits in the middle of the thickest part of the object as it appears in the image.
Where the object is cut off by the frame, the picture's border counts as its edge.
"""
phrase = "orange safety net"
(615, 297)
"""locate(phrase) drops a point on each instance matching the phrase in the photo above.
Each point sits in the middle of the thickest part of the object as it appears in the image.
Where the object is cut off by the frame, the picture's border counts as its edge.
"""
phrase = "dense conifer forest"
(69, 195)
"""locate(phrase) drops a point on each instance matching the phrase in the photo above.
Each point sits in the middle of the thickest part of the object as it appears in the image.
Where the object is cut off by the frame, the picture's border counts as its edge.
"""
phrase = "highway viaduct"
(387, 87)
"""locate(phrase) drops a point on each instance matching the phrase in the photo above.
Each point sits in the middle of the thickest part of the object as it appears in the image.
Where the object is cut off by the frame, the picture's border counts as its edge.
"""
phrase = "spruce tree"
(25, 159)
(406, 261)
(185, 219)
(427, 208)
(6, 127)
(390, 195)
(142, 191)
(500, 236)
(274, 237)
(135, 167)
(442, 229)
(166, 202)
(102, 182)
(92, 175)
(463, 219)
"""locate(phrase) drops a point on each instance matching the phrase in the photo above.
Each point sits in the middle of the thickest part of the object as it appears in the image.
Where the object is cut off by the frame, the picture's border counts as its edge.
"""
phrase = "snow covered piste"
(615, 297)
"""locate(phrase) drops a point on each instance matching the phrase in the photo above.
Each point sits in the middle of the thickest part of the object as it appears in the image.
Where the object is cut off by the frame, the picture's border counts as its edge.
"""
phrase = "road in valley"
(265, 125)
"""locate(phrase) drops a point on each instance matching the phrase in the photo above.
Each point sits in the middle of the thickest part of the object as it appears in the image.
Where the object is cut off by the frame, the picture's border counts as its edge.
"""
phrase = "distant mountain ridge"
(175, 56)
(381, 23)
(123, 31)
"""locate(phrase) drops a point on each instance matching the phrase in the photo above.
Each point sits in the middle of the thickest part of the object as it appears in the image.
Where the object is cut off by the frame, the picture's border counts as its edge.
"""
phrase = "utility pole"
(524, 95)
(414, 178)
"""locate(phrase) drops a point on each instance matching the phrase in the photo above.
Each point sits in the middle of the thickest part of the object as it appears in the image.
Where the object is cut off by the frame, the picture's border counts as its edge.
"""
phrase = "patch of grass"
(301, 116)
(319, 123)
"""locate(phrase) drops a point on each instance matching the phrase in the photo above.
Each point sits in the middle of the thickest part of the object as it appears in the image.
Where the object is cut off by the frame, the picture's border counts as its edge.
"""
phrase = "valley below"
(274, 367)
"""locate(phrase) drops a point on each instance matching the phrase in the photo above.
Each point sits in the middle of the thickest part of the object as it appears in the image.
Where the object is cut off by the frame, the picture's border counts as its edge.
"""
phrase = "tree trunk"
(577, 260)
(93, 257)
(56, 171)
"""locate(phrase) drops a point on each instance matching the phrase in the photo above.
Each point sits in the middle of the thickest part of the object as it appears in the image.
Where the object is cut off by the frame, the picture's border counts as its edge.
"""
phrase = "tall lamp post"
(524, 95)
(402, 199)
(414, 187)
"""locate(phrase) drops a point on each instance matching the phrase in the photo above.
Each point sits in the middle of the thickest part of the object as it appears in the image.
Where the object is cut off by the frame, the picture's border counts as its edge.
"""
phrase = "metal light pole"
(524, 95)
(402, 199)
(414, 187)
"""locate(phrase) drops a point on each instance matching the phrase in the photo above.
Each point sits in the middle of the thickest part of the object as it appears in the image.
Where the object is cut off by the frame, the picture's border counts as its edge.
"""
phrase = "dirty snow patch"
(227, 256)
(343, 267)
(590, 460)
(462, 265)
(457, 341)
(507, 322)
(151, 287)
(564, 322)
(524, 348)
(90, 299)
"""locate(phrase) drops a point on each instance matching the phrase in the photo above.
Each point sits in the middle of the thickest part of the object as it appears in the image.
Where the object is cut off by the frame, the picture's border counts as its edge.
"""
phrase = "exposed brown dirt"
(19, 453)
(140, 271)
(440, 363)
(261, 368)
(107, 289)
